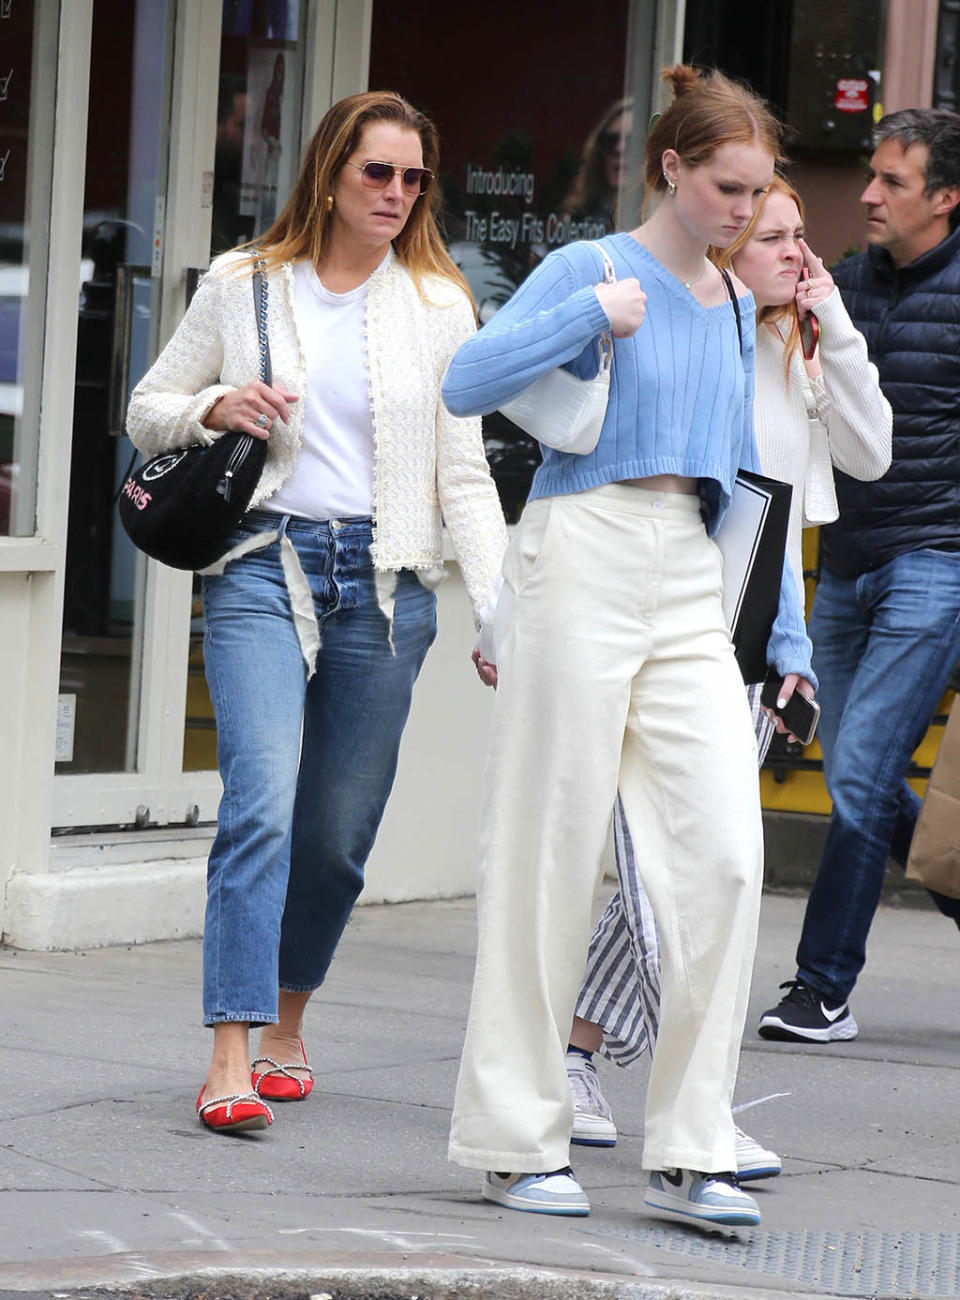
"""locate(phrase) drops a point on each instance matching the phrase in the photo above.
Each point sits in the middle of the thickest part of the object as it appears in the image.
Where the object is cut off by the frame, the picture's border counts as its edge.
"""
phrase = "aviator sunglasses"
(378, 175)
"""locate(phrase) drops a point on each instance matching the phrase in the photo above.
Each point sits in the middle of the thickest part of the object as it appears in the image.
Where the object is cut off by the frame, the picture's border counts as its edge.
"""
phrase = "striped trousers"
(621, 986)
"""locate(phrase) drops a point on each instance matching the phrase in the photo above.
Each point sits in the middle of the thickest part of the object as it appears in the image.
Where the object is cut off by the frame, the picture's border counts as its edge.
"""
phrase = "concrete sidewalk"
(106, 1176)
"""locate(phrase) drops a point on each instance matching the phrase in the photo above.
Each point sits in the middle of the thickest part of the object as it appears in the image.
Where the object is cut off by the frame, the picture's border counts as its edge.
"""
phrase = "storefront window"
(820, 65)
(26, 132)
(537, 162)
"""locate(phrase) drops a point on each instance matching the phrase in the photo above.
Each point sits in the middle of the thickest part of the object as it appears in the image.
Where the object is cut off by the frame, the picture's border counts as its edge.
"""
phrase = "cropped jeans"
(297, 822)
(885, 644)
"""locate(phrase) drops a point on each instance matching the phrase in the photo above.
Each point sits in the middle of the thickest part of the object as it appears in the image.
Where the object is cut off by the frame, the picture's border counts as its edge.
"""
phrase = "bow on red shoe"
(239, 1113)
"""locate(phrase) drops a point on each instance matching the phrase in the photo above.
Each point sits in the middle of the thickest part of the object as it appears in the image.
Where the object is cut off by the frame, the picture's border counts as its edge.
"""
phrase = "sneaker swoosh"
(833, 1015)
(674, 1177)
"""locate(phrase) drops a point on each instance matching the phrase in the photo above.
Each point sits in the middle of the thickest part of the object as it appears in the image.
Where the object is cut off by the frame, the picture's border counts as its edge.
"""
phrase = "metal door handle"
(127, 272)
(194, 275)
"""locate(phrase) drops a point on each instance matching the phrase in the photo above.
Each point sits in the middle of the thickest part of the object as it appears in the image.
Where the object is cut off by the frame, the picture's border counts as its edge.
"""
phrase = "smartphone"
(809, 328)
(800, 715)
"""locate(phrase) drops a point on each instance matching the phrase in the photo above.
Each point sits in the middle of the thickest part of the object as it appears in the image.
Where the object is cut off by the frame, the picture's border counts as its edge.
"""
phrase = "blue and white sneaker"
(688, 1196)
(555, 1193)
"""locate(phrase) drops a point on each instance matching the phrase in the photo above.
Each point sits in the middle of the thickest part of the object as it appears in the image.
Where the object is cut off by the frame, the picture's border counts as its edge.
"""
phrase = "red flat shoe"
(279, 1083)
(240, 1113)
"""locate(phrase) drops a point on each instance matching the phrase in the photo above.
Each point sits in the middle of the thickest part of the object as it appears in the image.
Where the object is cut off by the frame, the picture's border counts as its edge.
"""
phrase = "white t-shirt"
(333, 476)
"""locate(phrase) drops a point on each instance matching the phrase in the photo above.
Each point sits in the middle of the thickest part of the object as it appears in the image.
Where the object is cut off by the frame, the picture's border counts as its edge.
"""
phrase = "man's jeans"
(305, 815)
(884, 646)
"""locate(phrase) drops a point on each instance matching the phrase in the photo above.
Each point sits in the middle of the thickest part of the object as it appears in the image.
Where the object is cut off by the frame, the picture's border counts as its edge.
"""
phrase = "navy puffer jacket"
(910, 317)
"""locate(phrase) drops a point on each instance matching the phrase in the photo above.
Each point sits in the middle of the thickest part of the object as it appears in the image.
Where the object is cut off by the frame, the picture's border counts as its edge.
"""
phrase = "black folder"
(752, 538)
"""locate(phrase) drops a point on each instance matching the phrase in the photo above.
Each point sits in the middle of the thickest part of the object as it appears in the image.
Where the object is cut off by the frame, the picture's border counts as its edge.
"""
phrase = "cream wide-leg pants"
(615, 671)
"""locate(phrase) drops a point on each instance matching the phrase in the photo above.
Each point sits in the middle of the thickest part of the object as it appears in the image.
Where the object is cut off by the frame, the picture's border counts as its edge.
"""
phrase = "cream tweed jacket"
(429, 466)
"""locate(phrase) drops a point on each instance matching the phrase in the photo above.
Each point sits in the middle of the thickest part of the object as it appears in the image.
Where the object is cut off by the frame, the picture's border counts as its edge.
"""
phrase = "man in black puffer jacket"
(885, 623)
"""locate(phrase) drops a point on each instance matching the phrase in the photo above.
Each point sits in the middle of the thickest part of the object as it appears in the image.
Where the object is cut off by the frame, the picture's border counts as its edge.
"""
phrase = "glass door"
(123, 217)
(145, 222)
(177, 168)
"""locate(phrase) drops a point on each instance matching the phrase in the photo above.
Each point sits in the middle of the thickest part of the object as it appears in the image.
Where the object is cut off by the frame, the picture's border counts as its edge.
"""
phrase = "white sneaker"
(686, 1195)
(554, 1193)
(593, 1124)
(753, 1160)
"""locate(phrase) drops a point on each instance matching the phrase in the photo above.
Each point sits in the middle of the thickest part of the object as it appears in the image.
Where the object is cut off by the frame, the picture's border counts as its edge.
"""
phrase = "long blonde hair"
(302, 230)
(773, 315)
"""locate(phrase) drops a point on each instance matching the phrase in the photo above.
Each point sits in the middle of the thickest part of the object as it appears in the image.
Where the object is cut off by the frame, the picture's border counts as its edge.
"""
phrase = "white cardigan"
(429, 466)
(803, 428)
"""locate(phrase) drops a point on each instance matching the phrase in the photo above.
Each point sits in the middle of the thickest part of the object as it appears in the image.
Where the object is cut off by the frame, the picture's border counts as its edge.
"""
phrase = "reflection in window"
(534, 164)
(258, 115)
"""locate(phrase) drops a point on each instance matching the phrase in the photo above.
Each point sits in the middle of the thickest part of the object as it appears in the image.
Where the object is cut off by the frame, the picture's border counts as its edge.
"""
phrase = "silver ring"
(262, 421)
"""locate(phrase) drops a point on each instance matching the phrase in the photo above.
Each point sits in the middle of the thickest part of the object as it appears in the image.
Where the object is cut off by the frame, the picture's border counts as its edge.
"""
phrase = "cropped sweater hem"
(551, 482)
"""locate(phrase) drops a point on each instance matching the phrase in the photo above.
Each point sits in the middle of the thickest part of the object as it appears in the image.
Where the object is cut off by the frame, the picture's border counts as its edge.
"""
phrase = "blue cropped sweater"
(681, 395)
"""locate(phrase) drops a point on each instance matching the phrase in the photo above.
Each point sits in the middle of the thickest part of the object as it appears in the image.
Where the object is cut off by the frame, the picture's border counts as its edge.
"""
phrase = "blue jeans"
(296, 823)
(884, 646)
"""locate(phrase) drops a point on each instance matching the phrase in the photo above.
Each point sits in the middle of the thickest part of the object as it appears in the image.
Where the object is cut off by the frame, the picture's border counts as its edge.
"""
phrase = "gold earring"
(329, 202)
(671, 185)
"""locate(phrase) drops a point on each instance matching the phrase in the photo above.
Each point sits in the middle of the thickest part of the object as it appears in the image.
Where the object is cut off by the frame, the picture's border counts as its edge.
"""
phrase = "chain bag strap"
(246, 443)
(261, 293)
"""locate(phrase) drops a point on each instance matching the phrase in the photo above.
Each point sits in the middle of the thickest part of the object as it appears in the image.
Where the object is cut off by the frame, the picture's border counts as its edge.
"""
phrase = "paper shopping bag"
(934, 857)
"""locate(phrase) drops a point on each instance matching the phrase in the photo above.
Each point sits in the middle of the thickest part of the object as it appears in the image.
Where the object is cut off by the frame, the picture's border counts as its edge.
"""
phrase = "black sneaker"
(805, 1016)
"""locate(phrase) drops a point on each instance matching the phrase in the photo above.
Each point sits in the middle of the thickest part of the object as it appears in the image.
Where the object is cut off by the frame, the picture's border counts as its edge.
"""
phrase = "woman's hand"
(792, 682)
(817, 286)
(486, 671)
(251, 409)
(625, 304)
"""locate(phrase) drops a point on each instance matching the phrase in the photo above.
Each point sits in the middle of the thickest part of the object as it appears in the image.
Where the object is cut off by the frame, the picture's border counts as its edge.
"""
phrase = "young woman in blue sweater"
(616, 672)
(619, 1003)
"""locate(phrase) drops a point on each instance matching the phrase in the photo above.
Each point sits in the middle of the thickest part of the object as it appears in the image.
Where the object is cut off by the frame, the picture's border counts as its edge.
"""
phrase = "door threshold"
(110, 846)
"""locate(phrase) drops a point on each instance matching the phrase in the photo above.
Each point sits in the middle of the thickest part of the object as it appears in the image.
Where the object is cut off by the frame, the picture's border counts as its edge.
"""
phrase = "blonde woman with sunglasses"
(320, 615)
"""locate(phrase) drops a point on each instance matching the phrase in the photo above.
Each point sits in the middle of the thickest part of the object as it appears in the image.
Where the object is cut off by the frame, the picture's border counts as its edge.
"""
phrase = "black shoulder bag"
(182, 506)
